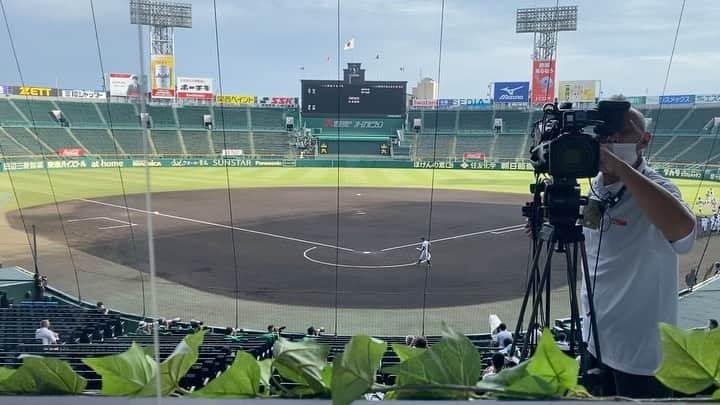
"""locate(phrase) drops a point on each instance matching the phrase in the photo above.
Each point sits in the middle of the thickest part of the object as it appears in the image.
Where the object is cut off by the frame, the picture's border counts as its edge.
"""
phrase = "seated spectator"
(234, 335)
(409, 339)
(144, 328)
(501, 333)
(44, 333)
(498, 363)
(562, 342)
(420, 342)
(100, 307)
(712, 324)
(273, 333)
(163, 327)
(536, 330)
(311, 334)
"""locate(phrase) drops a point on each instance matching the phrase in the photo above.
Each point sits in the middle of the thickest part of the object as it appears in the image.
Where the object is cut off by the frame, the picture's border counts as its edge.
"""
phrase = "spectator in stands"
(144, 328)
(4, 303)
(234, 335)
(536, 330)
(409, 339)
(562, 343)
(39, 285)
(717, 268)
(100, 307)
(420, 342)
(712, 324)
(311, 334)
(44, 333)
(496, 365)
(501, 333)
(644, 225)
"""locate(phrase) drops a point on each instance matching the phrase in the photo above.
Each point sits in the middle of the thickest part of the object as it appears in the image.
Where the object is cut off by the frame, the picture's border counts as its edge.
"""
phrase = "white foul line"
(389, 266)
(198, 221)
(495, 231)
(125, 224)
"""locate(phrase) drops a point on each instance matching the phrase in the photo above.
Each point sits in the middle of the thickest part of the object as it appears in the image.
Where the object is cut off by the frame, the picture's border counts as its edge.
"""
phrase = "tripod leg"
(536, 307)
(590, 293)
(530, 289)
(572, 264)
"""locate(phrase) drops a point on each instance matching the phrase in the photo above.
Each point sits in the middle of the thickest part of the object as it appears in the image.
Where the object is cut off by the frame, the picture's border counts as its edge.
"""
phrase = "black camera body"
(562, 149)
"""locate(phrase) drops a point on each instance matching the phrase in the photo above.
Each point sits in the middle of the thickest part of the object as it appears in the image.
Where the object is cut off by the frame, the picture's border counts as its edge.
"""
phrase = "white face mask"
(627, 152)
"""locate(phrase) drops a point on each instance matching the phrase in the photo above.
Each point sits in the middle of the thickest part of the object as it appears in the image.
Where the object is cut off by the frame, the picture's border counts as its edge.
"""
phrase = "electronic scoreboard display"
(353, 96)
(322, 98)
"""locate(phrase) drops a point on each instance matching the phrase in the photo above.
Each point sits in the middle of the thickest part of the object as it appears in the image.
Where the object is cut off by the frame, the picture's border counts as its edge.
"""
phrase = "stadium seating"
(9, 115)
(196, 143)
(131, 141)
(268, 118)
(476, 121)
(473, 143)
(26, 138)
(162, 116)
(665, 120)
(167, 142)
(97, 141)
(231, 140)
(514, 121)
(36, 111)
(707, 147)
(272, 144)
(231, 117)
(509, 146)
(698, 119)
(10, 147)
(81, 114)
(191, 117)
(56, 138)
(438, 147)
(118, 115)
(673, 148)
(445, 120)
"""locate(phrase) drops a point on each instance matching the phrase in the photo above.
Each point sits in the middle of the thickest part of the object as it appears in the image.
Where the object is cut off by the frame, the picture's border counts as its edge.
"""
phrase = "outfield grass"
(33, 187)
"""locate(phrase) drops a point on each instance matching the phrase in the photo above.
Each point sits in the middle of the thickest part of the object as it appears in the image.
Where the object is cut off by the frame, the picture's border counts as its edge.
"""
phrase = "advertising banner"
(511, 92)
(71, 152)
(198, 88)
(279, 101)
(636, 100)
(74, 93)
(707, 98)
(578, 90)
(2, 90)
(232, 152)
(235, 99)
(543, 81)
(34, 91)
(124, 85)
(162, 76)
(677, 99)
(463, 103)
(473, 155)
(424, 102)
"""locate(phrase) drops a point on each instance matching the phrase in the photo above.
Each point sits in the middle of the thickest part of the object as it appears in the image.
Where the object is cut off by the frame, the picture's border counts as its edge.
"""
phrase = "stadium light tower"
(544, 23)
(162, 17)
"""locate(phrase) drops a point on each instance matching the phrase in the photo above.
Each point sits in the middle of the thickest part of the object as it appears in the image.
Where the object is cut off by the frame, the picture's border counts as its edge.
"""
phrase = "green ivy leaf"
(176, 365)
(327, 375)
(43, 375)
(266, 366)
(691, 359)
(124, 374)
(302, 363)
(353, 371)
(241, 380)
(716, 394)
(454, 360)
(5, 373)
(553, 366)
(406, 352)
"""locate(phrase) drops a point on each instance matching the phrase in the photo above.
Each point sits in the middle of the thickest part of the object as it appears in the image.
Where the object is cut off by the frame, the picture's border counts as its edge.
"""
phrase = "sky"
(264, 44)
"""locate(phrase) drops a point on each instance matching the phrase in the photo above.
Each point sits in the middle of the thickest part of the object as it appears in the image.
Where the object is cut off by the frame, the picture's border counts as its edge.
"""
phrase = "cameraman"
(636, 225)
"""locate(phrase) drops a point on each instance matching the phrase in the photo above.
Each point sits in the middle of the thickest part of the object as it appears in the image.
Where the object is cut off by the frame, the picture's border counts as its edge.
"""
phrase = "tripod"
(562, 235)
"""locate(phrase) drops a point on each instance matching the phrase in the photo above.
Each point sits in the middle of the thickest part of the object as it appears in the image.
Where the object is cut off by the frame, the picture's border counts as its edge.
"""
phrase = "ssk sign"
(279, 101)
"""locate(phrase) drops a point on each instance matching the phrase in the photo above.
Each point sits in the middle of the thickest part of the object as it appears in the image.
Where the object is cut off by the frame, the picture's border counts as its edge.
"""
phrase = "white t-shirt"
(47, 336)
(501, 336)
(636, 283)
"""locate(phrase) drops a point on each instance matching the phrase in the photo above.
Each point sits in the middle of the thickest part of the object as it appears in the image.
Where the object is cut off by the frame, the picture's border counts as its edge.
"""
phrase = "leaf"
(241, 380)
(716, 394)
(406, 352)
(353, 371)
(454, 360)
(691, 359)
(5, 373)
(126, 373)
(174, 368)
(265, 371)
(302, 363)
(327, 375)
(44, 375)
(552, 365)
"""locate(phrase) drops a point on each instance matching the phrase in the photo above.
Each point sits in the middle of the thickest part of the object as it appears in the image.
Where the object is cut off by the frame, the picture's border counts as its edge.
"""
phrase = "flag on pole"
(349, 44)
(327, 58)
(377, 56)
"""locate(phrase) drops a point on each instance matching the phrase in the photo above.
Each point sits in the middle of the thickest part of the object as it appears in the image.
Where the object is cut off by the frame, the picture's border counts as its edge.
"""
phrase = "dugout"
(365, 145)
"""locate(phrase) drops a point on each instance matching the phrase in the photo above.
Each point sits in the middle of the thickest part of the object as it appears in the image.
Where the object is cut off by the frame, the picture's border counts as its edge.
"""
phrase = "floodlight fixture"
(544, 23)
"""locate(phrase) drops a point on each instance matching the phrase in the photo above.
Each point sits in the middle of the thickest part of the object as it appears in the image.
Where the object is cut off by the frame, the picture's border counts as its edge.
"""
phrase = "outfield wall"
(711, 173)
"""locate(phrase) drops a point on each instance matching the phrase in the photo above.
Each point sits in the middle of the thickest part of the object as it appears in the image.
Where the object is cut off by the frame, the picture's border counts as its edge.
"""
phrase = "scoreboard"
(328, 98)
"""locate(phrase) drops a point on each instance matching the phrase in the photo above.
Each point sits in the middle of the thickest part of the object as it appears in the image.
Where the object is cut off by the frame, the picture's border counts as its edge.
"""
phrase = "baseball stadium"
(356, 206)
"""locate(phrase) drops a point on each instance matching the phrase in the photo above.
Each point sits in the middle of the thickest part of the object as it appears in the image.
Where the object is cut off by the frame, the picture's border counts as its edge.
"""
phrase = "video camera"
(561, 147)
